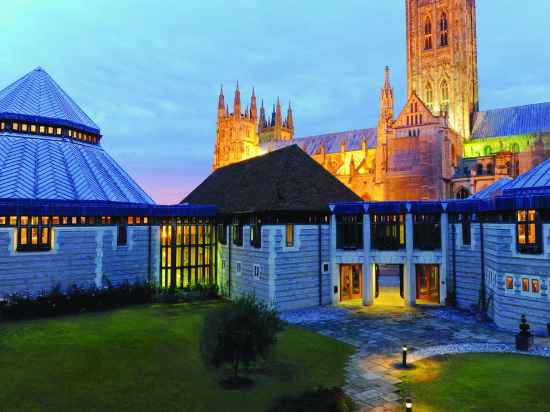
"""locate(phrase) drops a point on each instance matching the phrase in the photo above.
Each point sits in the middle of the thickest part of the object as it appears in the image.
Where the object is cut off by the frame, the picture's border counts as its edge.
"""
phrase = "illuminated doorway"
(388, 285)
(351, 282)
(427, 283)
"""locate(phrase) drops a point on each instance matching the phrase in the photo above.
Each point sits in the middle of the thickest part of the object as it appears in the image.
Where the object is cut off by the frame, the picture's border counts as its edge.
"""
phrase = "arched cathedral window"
(443, 30)
(444, 96)
(429, 96)
(428, 34)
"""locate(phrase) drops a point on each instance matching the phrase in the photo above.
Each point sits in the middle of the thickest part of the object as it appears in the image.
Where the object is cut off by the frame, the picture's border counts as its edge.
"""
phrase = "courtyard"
(436, 337)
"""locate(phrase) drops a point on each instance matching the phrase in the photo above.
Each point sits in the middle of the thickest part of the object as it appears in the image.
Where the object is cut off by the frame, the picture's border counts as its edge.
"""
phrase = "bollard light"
(408, 405)
(405, 349)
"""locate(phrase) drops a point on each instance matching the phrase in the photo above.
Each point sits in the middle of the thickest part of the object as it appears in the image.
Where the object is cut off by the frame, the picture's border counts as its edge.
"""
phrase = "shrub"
(319, 400)
(239, 334)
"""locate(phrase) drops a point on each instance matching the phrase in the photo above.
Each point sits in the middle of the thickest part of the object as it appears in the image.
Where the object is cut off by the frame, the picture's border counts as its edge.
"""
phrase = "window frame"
(289, 235)
(528, 221)
(40, 224)
(255, 235)
(388, 232)
(466, 226)
(238, 229)
(349, 232)
(122, 232)
(427, 232)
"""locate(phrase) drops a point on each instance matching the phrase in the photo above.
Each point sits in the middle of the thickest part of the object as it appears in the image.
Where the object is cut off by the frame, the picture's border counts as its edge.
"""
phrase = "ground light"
(404, 362)
(408, 405)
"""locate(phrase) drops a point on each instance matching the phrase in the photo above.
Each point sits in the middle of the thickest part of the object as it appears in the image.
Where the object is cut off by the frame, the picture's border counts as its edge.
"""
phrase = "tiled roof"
(283, 180)
(493, 190)
(512, 121)
(37, 97)
(332, 142)
(532, 182)
(38, 167)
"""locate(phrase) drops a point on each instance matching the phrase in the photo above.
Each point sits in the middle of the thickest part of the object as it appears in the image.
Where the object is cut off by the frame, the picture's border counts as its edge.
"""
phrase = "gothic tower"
(236, 133)
(442, 58)
(277, 128)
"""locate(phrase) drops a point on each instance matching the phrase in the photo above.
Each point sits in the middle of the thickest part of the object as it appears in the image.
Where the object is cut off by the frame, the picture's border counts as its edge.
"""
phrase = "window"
(490, 169)
(42, 129)
(349, 232)
(529, 232)
(33, 128)
(58, 131)
(24, 127)
(427, 232)
(444, 96)
(428, 34)
(289, 235)
(224, 264)
(388, 232)
(509, 282)
(256, 271)
(50, 130)
(466, 230)
(429, 96)
(238, 268)
(443, 30)
(256, 233)
(238, 234)
(326, 267)
(15, 126)
(122, 233)
(479, 169)
(525, 284)
(222, 233)
(34, 234)
(535, 286)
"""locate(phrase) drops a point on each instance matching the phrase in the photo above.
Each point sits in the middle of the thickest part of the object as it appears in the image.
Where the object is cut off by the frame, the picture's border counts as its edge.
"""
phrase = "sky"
(149, 72)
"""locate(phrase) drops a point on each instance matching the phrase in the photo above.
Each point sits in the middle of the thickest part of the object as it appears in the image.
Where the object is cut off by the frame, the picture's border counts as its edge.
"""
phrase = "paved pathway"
(380, 332)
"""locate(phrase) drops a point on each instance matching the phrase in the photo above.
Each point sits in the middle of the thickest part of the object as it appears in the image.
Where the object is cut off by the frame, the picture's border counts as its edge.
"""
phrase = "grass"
(147, 359)
(480, 382)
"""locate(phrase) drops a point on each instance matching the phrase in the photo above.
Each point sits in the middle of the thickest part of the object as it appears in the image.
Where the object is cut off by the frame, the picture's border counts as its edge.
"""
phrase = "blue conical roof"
(36, 97)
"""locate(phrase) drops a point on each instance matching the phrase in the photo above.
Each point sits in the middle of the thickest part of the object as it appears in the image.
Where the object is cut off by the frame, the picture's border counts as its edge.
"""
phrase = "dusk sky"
(149, 72)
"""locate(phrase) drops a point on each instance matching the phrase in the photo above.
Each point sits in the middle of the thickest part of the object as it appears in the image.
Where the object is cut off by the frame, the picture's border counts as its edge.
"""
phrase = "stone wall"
(83, 256)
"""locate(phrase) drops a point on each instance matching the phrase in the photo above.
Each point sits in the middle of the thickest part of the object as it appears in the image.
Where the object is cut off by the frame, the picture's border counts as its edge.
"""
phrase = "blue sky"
(149, 72)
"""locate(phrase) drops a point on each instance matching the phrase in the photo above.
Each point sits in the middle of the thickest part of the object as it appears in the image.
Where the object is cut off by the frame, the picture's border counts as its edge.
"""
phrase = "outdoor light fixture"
(405, 349)
(408, 405)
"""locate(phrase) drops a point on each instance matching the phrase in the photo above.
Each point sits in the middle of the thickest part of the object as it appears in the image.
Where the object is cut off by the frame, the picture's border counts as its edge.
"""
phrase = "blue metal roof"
(332, 142)
(39, 167)
(534, 182)
(493, 190)
(36, 97)
(512, 121)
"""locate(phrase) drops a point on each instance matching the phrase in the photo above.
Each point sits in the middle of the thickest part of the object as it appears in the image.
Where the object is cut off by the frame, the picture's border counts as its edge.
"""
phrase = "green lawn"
(480, 382)
(146, 359)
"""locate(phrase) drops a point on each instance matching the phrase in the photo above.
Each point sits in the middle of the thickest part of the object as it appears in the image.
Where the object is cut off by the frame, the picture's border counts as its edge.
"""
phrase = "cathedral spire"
(278, 115)
(262, 123)
(386, 97)
(253, 109)
(289, 117)
(221, 103)
(273, 115)
(237, 102)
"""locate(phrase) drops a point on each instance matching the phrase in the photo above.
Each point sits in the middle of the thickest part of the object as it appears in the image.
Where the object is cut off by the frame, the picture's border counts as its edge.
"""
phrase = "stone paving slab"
(379, 334)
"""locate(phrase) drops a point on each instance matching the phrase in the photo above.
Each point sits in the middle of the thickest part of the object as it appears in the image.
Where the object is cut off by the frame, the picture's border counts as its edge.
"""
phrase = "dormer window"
(443, 30)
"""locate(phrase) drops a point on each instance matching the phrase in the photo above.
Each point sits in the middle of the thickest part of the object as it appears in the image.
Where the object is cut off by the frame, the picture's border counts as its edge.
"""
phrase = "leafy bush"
(239, 334)
(319, 400)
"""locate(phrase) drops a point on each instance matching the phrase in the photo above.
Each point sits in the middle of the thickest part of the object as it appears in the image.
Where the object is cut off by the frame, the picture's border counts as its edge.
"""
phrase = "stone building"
(440, 141)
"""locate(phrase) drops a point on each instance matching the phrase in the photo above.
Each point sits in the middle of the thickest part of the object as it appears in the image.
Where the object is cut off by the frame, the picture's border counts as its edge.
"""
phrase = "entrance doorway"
(427, 283)
(351, 278)
(388, 284)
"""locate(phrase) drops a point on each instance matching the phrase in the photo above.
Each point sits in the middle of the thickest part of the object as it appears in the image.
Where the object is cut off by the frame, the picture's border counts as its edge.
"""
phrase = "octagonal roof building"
(50, 149)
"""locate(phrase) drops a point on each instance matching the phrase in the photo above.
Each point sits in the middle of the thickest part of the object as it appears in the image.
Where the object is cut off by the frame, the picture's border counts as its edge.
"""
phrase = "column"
(335, 273)
(368, 292)
(409, 275)
(444, 255)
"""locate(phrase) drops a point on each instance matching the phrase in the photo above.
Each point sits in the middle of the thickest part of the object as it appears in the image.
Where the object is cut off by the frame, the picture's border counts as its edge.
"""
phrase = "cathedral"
(439, 146)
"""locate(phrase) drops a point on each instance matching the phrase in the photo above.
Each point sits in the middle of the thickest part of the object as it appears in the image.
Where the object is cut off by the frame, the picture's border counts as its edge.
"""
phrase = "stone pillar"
(409, 275)
(334, 272)
(368, 292)
(444, 255)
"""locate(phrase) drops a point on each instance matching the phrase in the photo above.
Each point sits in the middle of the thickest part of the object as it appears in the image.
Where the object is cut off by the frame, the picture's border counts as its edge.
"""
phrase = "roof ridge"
(514, 107)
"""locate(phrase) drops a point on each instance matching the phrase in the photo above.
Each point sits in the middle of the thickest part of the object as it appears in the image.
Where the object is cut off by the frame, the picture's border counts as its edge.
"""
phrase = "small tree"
(239, 334)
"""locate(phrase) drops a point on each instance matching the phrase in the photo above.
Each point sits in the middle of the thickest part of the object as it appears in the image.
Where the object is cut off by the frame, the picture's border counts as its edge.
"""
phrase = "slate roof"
(493, 190)
(39, 167)
(283, 180)
(332, 142)
(533, 182)
(37, 97)
(512, 121)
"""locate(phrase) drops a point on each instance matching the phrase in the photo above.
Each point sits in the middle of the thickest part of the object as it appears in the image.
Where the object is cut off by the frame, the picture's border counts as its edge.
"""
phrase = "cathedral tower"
(277, 128)
(442, 58)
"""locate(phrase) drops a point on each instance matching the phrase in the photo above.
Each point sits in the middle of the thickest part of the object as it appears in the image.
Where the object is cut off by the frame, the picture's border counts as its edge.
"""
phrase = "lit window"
(535, 286)
(24, 127)
(509, 282)
(289, 235)
(50, 130)
(33, 234)
(145, 220)
(529, 232)
(130, 220)
(33, 128)
(16, 126)
(58, 131)
(42, 129)
(70, 133)
(525, 284)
